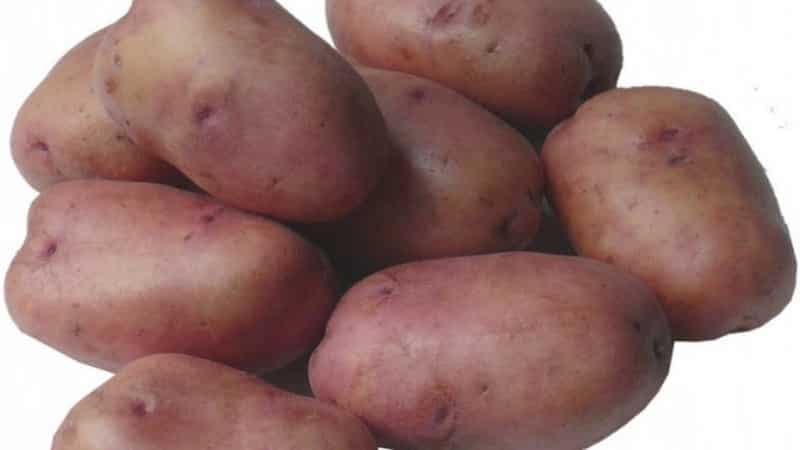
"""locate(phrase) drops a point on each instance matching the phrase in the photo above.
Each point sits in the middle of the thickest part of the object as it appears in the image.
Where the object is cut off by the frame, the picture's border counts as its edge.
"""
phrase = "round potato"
(178, 402)
(504, 352)
(113, 271)
(461, 182)
(249, 104)
(63, 133)
(661, 183)
(531, 61)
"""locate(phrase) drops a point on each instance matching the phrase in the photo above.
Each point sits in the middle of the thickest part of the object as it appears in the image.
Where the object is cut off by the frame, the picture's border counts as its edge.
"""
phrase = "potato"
(248, 103)
(62, 131)
(531, 61)
(461, 182)
(176, 402)
(661, 183)
(113, 271)
(504, 352)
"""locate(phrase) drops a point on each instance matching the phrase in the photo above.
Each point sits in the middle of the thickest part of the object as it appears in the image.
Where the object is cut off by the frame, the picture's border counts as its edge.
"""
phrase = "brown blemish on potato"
(659, 349)
(406, 54)
(117, 60)
(638, 327)
(76, 329)
(445, 15)
(110, 85)
(492, 47)
(188, 237)
(677, 159)
(211, 217)
(142, 408)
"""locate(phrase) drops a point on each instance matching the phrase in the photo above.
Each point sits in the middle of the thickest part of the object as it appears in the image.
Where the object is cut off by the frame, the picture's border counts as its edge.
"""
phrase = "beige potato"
(176, 402)
(661, 183)
(461, 182)
(113, 271)
(62, 132)
(531, 61)
(504, 352)
(249, 104)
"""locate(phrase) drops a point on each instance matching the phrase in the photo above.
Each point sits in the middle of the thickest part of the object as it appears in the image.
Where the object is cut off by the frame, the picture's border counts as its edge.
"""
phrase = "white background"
(741, 392)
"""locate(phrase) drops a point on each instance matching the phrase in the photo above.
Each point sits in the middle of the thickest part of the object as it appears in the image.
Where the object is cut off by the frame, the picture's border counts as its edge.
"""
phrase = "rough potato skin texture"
(531, 61)
(62, 132)
(113, 271)
(176, 402)
(461, 182)
(504, 352)
(660, 182)
(249, 104)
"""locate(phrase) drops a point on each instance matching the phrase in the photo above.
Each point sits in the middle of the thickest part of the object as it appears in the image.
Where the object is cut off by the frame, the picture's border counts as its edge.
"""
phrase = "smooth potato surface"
(113, 271)
(62, 132)
(661, 183)
(249, 104)
(461, 182)
(175, 402)
(504, 352)
(531, 61)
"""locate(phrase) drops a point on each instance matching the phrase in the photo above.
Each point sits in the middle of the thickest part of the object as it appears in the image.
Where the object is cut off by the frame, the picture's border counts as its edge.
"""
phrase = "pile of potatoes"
(231, 210)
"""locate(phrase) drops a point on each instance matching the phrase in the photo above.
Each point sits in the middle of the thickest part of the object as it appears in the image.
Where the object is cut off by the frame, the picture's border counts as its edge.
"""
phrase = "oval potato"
(660, 182)
(113, 271)
(504, 352)
(177, 402)
(532, 61)
(62, 132)
(461, 182)
(248, 103)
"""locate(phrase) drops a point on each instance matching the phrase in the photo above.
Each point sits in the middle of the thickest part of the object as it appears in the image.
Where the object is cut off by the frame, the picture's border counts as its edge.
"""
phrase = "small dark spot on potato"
(589, 50)
(140, 332)
(188, 237)
(212, 216)
(406, 54)
(418, 94)
(202, 115)
(638, 327)
(484, 389)
(117, 60)
(668, 135)
(50, 249)
(386, 291)
(209, 218)
(139, 408)
(446, 14)
(127, 123)
(40, 147)
(76, 329)
(492, 47)
(677, 159)
(110, 85)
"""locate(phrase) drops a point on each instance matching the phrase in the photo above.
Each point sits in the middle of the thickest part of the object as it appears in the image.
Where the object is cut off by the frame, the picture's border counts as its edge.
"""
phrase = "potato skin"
(251, 106)
(113, 271)
(177, 402)
(532, 62)
(661, 183)
(460, 182)
(493, 352)
(62, 132)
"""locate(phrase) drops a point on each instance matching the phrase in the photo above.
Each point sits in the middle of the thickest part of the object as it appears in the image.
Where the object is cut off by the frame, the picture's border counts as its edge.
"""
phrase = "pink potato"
(114, 271)
(661, 183)
(531, 61)
(176, 402)
(461, 182)
(504, 352)
(247, 102)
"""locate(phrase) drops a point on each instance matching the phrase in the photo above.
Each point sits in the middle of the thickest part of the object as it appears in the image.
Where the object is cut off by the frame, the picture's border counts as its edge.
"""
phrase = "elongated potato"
(62, 132)
(249, 104)
(461, 182)
(532, 61)
(113, 271)
(176, 402)
(504, 352)
(661, 183)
